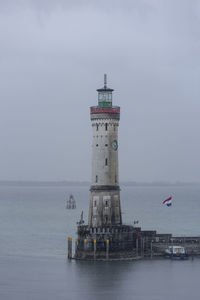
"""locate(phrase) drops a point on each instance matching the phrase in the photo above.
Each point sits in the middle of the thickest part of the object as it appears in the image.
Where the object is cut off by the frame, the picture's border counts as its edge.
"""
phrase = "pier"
(145, 245)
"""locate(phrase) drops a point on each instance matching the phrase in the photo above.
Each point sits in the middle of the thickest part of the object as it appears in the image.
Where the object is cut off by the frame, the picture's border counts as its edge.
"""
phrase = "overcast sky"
(53, 55)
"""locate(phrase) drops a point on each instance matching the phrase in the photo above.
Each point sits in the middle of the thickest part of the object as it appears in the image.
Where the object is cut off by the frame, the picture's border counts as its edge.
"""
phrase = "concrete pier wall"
(128, 242)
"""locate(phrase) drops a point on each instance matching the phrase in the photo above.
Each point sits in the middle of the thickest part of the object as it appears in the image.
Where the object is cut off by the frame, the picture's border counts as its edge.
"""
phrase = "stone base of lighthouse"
(105, 207)
(107, 243)
(123, 242)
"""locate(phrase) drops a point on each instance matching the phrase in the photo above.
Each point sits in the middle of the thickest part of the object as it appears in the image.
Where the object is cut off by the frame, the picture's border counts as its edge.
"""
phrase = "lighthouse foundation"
(108, 242)
(128, 243)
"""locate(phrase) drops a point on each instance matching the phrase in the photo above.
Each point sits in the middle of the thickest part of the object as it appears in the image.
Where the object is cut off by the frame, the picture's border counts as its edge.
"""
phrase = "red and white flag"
(168, 201)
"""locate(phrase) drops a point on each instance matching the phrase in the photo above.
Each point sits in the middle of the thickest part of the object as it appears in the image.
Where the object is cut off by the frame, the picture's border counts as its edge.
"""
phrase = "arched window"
(97, 127)
(106, 162)
(106, 126)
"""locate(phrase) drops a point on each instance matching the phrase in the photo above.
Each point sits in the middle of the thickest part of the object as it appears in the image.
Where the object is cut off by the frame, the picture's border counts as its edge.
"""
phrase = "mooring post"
(141, 246)
(192, 250)
(143, 242)
(69, 248)
(76, 246)
(95, 248)
(107, 249)
(85, 247)
(151, 249)
(137, 247)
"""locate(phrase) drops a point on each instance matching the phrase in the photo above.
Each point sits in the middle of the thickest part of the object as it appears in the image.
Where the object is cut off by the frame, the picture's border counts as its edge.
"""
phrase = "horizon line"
(86, 183)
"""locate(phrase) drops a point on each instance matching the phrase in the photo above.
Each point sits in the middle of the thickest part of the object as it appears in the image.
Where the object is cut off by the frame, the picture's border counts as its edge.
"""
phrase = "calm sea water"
(34, 226)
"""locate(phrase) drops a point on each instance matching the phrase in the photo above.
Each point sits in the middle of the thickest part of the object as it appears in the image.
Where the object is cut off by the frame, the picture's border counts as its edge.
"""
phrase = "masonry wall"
(105, 208)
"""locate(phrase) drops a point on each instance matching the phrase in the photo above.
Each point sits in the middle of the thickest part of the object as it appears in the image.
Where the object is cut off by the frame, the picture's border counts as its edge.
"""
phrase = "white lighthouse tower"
(105, 236)
(105, 207)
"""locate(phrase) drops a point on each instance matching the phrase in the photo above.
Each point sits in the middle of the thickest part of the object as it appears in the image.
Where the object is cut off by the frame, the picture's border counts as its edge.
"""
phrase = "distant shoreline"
(87, 183)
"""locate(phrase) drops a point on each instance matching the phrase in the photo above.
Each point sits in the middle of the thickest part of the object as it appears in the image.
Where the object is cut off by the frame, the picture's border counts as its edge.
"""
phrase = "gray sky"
(53, 55)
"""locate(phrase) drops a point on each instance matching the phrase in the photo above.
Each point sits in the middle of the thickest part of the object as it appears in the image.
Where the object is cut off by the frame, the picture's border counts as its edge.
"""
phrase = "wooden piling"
(142, 246)
(69, 248)
(151, 249)
(95, 248)
(137, 247)
(85, 247)
(107, 249)
(192, 251)
(76, 247)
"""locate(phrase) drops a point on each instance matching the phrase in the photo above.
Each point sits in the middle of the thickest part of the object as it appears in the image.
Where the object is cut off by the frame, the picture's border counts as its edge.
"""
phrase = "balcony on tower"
(104, 110)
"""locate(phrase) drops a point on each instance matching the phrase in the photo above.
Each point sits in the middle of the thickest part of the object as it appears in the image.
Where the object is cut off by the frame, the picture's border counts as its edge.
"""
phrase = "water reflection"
(102, 279)
(136, 279)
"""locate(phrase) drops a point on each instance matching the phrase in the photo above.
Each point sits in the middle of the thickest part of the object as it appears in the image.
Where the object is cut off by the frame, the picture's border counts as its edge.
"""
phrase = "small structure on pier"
(71, 203)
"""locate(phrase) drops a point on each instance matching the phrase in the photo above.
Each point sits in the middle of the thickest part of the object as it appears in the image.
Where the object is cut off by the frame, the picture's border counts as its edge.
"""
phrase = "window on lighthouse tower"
(106, 126)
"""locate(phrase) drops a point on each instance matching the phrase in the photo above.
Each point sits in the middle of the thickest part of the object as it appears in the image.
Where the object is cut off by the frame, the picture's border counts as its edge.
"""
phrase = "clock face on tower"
(114, 145)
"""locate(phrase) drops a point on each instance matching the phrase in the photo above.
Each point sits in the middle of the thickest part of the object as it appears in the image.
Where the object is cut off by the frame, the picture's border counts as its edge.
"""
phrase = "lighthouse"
(105, 237)
(105, 206)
